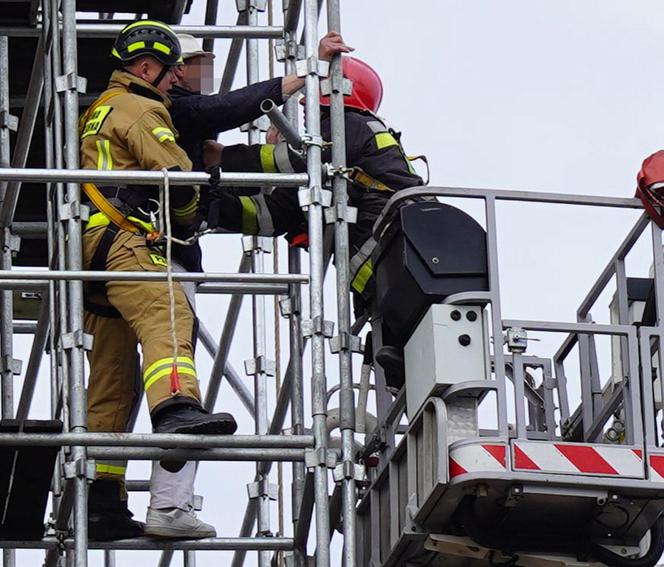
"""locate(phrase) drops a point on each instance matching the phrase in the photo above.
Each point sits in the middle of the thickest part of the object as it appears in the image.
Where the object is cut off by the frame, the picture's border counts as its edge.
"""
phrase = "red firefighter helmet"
(650, 187)
(367, 92)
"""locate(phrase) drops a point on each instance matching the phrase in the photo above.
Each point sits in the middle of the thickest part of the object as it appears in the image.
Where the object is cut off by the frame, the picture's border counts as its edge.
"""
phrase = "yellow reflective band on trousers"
(111, 467)
(163, 134)
(385, 140)
(249, 216)
(104, 159)
(362, 277)
(163, 367)
(267, 158)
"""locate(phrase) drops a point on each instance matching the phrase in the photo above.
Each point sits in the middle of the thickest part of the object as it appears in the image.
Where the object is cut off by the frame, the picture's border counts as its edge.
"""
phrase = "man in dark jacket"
(377, 167)
(198, 117)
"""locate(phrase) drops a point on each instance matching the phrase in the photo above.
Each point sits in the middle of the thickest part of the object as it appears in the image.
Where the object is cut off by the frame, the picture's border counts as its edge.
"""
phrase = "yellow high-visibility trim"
(147, 22)
(184, 360)
(104, 159)
(188, 209)
(134, 46)
(161, 47)
(267, 158)
(166, 372)
(163, 134)
(100, 219)
(385, 140)
(362, 277)
(114, 53)
(249, 216)
(110, 469)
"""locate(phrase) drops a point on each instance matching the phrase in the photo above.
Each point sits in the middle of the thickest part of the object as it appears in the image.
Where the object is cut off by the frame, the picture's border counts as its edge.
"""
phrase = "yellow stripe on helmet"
(161, 47)
(147, 23)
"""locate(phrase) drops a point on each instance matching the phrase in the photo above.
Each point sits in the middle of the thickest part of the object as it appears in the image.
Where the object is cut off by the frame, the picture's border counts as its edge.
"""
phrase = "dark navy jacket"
(199, 117)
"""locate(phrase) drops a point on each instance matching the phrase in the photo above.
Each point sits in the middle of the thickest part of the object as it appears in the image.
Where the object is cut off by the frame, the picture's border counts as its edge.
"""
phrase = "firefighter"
(377, 166)
(129, 128)
(199, 116)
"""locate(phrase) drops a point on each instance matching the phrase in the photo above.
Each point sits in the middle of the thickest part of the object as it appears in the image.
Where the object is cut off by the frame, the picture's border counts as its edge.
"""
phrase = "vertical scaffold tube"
(316, 274)
(262, 484)
(342, 262)
(8, 555)
(295, 316)
(77, 395)
(5, 258)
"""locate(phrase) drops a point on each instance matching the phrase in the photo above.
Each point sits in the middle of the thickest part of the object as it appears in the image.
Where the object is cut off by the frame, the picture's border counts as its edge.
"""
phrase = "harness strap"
(361, 177)
(98, 263)
(106, 207)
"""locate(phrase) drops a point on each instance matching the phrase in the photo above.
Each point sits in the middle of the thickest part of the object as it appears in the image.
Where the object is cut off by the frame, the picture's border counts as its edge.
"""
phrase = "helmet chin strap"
(165, 69)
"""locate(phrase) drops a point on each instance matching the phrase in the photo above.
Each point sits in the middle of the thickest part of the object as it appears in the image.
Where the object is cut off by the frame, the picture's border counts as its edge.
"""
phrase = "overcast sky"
(561, 96)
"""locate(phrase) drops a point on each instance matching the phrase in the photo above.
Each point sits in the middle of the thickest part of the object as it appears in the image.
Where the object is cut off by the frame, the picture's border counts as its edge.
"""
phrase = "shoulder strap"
(106, 207)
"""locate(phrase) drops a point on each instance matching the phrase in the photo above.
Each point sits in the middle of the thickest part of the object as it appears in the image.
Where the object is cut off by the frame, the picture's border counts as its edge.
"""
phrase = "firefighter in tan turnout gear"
(129, 128)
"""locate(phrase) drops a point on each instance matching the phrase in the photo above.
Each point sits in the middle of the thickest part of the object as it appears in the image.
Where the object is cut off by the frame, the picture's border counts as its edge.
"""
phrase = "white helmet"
(191, 47)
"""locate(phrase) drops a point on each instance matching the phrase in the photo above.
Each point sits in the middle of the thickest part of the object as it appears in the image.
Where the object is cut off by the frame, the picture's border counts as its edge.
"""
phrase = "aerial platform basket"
(452, 491)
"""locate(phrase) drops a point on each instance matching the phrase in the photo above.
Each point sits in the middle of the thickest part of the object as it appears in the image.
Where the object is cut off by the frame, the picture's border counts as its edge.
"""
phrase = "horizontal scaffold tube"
(212, 544)
(112, 30)
(137, 177)
(155, 454)
(91, 275)
(231, 288)
(162, 440)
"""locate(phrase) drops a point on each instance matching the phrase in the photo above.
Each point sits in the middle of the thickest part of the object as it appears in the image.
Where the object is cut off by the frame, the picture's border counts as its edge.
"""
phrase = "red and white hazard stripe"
(656, 466)
(577, 458)
(478, 457)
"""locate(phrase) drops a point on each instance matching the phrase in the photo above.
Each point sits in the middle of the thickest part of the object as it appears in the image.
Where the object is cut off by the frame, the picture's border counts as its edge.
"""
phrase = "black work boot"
(193, 419)
(108, 516)
(391, 359)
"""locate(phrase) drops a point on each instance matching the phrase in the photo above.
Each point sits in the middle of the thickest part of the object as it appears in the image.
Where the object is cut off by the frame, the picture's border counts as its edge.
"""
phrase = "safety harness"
(114, 218)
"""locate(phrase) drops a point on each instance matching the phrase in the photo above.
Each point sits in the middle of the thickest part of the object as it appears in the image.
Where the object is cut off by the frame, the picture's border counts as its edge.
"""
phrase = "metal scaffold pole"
(291, 16)
(346, 341)
(314, 198)
(256, 246)
(74, 339)
(8, 555)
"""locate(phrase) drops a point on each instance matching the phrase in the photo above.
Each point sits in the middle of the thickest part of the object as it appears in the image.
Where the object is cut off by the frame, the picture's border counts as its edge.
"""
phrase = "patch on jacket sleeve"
(96, 121)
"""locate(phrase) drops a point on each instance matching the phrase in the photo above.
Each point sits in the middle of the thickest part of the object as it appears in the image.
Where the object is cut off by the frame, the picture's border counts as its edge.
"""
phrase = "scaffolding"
(375, 510)
(57, 87)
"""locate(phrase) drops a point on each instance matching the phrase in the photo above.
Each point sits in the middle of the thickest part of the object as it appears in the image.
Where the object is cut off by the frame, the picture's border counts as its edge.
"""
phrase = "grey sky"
(546, 95)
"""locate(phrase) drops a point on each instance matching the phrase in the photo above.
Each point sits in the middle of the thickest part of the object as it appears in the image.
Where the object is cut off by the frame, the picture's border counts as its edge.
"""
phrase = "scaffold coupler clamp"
(320, 457)
(317, 326)
(80, 468)
(348, 470)
(516, 339)
(344, 342)
(252, 244)
(331, 86)
(244, 5)
(308, 196)
(312, 66)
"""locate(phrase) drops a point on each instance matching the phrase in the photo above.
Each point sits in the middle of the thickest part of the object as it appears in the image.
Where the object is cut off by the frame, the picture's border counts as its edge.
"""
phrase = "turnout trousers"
(144, 310)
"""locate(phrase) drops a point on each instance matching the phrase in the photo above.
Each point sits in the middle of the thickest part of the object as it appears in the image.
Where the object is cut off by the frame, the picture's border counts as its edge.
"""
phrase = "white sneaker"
(176, 523)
